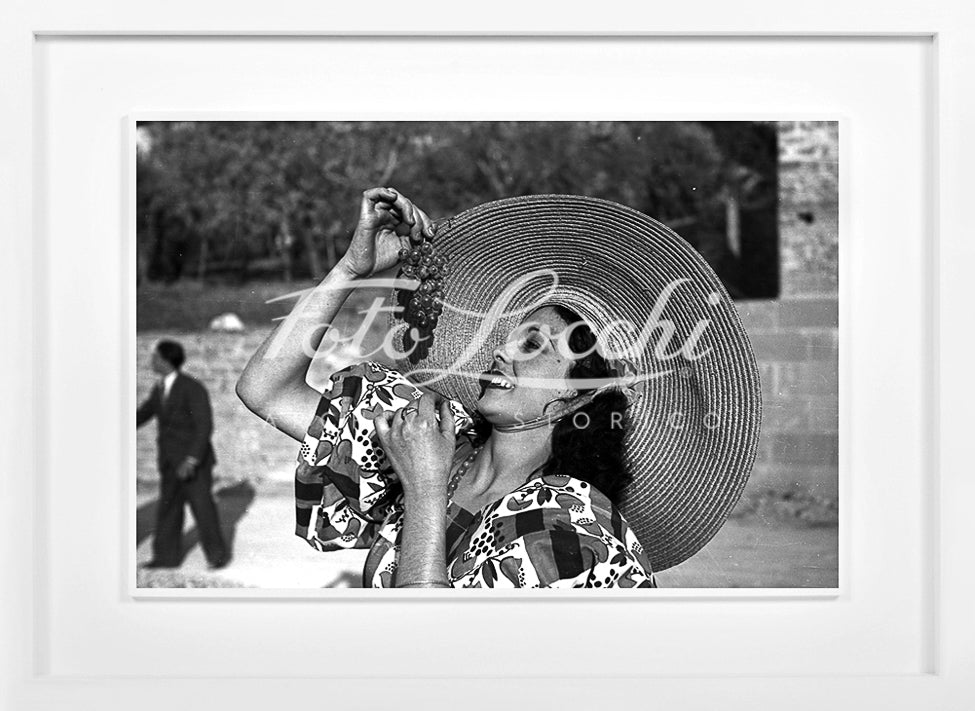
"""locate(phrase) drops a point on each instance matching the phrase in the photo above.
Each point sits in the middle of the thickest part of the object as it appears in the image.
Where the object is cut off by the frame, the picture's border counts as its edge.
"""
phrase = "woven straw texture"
(694, 428)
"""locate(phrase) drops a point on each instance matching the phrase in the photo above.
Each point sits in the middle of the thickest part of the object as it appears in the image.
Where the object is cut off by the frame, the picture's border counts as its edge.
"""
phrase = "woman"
(516, 478)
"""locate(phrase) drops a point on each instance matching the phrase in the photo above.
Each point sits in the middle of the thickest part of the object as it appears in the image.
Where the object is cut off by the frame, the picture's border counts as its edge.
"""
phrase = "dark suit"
(185, 423)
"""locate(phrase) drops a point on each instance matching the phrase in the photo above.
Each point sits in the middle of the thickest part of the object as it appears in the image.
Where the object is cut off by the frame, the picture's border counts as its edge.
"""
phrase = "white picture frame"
(897, 634)
(351, 561)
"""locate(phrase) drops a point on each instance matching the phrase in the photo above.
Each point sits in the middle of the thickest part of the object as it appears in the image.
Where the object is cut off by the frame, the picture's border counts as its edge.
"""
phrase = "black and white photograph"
(638, 332)
(507, 354)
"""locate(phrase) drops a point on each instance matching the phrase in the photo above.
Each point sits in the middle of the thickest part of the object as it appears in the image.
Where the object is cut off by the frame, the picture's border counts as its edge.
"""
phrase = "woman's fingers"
(424, 222)
(404, 206)
(412, 220)
(387, 217)
(447, 426)
(391, 219)
(382, 427)
(384, 194)
(387, 210)
(389, 426)
(417, 228)
(372, 197)
(425, 407)
(411, 215)
(389, 205)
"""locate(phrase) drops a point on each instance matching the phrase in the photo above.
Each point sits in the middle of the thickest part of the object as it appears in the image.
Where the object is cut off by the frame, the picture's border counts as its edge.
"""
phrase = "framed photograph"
(815, 173)
(236, 220)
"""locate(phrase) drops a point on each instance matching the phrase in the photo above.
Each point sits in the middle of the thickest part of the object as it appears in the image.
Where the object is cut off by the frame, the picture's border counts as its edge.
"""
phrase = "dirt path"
(746, 553)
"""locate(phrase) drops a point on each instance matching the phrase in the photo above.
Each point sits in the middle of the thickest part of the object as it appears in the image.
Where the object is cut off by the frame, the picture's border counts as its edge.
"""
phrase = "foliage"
(256, 196)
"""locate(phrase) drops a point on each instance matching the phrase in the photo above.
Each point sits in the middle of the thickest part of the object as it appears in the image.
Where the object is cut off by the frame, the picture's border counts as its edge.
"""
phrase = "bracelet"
(425, 583)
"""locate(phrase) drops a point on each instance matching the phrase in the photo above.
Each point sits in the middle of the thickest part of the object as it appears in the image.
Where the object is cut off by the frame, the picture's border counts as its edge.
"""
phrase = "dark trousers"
(174, 494)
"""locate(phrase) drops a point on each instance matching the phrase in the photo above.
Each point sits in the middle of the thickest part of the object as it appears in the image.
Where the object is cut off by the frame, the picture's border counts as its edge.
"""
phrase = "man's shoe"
(156, 564)
(220, 564)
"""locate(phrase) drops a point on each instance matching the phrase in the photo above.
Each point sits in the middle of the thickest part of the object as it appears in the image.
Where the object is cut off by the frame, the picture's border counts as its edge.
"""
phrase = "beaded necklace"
(459, 474)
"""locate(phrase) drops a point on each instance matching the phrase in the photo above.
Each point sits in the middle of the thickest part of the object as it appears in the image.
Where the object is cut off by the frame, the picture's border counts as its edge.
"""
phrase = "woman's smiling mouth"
(494, 378)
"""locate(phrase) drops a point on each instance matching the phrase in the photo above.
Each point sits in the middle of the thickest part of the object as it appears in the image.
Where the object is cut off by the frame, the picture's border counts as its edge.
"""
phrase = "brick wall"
(795, 337)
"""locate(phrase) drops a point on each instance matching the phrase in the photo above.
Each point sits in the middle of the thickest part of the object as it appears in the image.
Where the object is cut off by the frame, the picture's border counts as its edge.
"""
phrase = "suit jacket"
(185, 422)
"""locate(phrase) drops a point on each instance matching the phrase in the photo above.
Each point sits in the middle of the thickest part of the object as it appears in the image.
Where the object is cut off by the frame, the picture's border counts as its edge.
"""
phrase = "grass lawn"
(189, 305)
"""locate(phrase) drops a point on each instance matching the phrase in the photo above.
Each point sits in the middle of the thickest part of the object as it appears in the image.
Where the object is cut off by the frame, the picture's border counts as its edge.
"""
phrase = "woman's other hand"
(420, 449)
(388, 221)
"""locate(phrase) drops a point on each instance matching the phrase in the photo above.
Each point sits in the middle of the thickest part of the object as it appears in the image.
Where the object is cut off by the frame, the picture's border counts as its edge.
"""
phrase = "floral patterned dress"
(553, 531)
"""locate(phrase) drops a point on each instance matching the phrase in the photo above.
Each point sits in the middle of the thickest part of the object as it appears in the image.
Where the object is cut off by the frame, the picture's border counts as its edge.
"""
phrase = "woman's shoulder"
(370, 372)
(561, 490)
(380, 383)
(562, 502)
(554, 499)
(562, 529)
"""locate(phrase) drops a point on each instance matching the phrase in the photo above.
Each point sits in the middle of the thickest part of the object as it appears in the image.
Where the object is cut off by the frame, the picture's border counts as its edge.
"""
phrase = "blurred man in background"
(181, 407)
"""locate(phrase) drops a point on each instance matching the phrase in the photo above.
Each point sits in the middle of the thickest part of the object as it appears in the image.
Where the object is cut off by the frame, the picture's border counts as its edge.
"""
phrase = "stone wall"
(795, 337)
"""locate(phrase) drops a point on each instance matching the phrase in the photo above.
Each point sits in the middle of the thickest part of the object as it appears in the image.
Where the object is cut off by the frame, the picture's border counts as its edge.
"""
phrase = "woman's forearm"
(281, 363)
(422, 555)
(273, 383)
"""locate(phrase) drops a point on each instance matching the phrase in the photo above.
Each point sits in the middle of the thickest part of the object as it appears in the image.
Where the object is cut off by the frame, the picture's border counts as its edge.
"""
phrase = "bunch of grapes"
(423, 306)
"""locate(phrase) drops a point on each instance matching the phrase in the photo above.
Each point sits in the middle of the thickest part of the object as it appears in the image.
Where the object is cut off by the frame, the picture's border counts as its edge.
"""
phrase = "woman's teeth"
(499, 382)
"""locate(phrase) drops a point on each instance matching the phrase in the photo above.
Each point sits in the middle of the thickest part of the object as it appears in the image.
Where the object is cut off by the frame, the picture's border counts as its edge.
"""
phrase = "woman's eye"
(531, 344)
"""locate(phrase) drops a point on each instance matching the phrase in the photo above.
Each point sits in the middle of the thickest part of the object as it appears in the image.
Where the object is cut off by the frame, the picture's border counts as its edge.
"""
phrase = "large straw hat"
(694, 420)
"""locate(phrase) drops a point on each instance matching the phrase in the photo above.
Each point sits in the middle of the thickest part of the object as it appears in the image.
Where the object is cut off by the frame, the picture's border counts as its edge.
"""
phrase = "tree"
(221, 196)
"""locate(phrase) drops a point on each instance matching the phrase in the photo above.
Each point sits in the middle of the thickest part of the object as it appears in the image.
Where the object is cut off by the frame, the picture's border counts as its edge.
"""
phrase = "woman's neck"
(507, 458)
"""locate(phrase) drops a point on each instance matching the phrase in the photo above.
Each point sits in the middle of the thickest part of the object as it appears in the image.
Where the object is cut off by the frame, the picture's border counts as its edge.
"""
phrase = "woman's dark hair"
(589, 446)
(588, 443)
(171, 352)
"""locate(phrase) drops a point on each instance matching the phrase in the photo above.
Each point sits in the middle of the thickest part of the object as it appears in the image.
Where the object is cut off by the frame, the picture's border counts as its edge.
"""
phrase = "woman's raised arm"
(273, 383)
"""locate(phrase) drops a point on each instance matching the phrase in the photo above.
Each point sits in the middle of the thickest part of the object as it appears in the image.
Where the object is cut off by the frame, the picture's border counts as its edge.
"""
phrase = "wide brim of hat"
(693, 431)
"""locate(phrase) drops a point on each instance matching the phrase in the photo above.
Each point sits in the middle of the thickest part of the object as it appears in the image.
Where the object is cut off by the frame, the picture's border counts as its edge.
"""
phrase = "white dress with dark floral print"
(553, 531)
